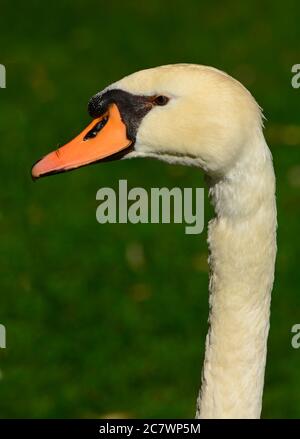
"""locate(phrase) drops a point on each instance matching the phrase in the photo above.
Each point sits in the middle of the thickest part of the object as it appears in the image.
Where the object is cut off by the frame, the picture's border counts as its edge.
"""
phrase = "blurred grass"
(112, 319)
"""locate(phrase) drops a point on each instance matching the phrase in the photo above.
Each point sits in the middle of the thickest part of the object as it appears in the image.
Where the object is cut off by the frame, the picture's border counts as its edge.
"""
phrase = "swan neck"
(242, 246)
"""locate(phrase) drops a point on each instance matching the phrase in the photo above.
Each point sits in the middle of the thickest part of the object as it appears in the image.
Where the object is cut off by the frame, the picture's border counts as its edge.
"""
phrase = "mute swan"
(197, 115)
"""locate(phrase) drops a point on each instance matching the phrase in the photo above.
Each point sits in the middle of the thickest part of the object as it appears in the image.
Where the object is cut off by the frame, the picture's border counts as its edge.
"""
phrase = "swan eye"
(161, 100)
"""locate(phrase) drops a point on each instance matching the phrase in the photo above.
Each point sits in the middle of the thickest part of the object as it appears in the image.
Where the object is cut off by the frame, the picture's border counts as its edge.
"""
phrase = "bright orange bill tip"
(110, 140)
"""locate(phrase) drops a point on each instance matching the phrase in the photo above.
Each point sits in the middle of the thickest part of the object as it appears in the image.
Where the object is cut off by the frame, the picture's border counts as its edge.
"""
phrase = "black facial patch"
(132, 108)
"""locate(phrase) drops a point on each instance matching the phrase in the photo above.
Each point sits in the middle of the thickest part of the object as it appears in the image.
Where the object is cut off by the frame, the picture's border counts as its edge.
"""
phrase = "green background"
(110, 320)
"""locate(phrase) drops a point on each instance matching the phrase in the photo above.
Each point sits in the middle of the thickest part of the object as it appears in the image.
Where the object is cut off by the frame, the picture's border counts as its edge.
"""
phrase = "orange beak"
(103, 138)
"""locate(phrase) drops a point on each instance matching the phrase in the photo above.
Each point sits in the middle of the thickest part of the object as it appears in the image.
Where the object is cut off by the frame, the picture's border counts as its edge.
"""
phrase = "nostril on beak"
(96, 128)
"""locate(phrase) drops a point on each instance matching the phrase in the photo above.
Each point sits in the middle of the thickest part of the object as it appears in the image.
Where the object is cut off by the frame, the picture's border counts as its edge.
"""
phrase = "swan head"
(182, 113)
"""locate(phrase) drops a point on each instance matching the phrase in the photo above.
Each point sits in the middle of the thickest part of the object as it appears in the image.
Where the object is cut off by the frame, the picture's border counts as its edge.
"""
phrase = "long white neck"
(242, 244)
